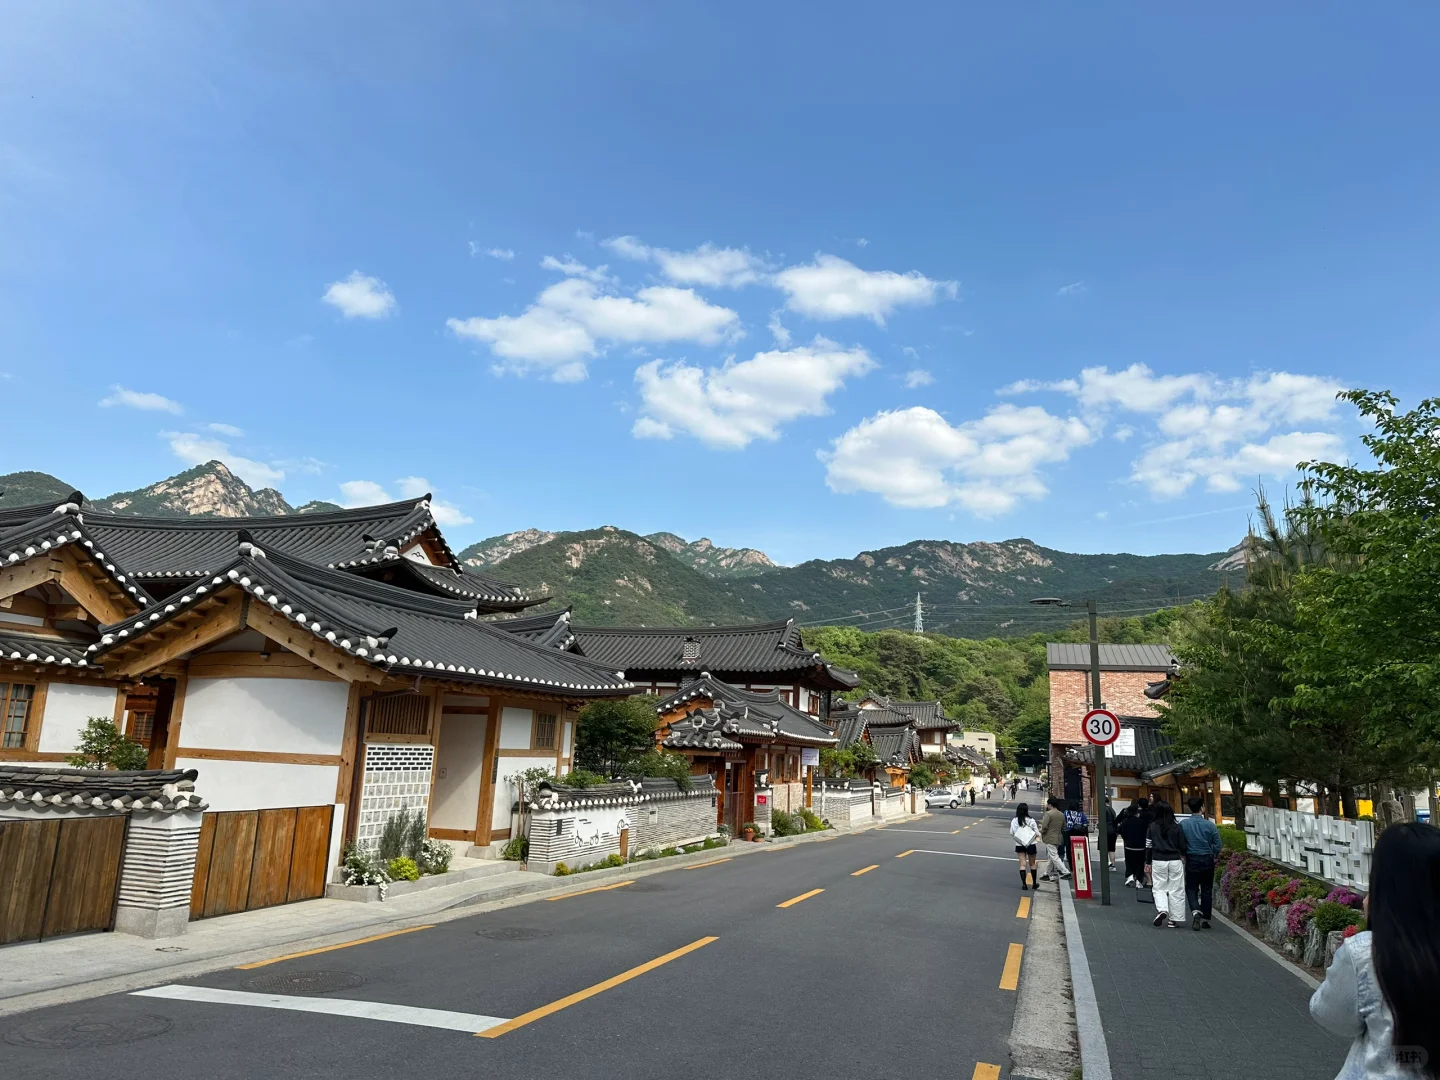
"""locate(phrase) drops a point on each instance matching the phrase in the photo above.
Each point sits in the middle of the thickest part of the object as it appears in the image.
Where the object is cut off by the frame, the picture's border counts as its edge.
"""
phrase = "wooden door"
(251, 859)
(59, 877)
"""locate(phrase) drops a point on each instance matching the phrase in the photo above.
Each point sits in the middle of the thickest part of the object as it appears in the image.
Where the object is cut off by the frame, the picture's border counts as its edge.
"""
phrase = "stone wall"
(579, 830)
(1325, 847)
(789, 796)
(844, 807)
(396, 777)
(894, 805)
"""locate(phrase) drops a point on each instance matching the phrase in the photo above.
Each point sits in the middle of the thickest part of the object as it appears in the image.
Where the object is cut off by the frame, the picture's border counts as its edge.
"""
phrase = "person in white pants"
(1165, 848)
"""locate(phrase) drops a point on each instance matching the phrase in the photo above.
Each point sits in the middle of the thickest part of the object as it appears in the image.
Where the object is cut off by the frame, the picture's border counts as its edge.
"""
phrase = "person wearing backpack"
(1077, 823)
(1052, 834)
(1026, 836)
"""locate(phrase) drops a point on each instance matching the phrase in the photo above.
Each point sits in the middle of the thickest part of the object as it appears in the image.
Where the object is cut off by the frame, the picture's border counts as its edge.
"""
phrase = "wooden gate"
(259, 858)
(60, 876)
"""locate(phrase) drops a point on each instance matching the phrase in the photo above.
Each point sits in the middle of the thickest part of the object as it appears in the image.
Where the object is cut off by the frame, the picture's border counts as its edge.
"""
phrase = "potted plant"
(749, 831)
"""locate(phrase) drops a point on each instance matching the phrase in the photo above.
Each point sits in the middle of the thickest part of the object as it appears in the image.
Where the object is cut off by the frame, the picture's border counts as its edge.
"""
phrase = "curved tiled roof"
(490, 594)
(62, 526)
(163, 790)
(35, 649)
(157, 548)
(744, 713)
(927, 715)
(393, 628)
(551, 629)
(761, 647)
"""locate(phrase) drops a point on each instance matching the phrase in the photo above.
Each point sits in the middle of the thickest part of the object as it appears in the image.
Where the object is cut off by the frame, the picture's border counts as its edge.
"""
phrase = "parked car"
(942, 797)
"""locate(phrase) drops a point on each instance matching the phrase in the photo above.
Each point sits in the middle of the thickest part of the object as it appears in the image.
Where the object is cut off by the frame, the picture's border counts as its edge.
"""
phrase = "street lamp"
(1102, 752)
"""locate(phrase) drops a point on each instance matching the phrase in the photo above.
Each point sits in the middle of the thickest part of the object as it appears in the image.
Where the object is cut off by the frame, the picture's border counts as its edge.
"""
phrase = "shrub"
(751, 826)
(1341, 894)
(1231, 838)
(415, 836)
(104, 746)
(1282, 894)
(582, 778)
(391, 844)
(784, 824)
(561, 870)
(610, 860)
(1297, 918)
(713, 842)
(1331, 916)
(362, 867)
(1353, 929)
(666, 852)
(517, 850)
(810, 819)
(435, 856)
(403, 868)
(662, 764)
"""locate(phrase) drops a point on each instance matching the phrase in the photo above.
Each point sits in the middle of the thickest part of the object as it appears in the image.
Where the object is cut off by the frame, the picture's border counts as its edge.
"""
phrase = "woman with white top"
(1026, 834)
(1381, 987)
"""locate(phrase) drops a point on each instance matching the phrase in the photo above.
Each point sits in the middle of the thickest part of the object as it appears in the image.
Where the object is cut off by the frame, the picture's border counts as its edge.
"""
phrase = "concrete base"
(151, 922)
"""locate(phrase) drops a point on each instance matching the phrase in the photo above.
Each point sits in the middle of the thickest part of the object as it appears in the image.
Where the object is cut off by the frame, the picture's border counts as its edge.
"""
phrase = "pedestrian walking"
(1052, 835)
(1203, 847)
(1380, 988)
(1077, 823)
(1165, 858)
(1026, 835)
(1133, 823)
(972, 794)
(1110, 832)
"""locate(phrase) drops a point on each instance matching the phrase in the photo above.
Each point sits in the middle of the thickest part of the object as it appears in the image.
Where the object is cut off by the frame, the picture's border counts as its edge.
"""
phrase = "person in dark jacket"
(1165, 848)
(1110, 832)
(1133, 823)
(1203, 848)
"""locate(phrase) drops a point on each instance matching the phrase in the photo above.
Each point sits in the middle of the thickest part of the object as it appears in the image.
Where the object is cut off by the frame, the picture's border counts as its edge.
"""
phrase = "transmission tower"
(919, 615)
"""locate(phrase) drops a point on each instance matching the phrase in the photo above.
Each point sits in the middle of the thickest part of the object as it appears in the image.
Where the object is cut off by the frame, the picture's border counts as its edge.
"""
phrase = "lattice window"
(140, 726)
(15, 699)
(690, 649)
(545, 731)
(402, 714)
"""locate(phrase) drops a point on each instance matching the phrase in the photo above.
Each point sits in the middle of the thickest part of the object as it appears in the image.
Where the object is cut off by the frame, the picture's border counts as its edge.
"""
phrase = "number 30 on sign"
(1101, 727)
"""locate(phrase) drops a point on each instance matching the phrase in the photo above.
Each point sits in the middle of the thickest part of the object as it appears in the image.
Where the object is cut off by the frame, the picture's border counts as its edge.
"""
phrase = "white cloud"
(1075, 288)
(569, 321)
(195, 449)
(573, 267)
(732, 405)
(360, 297)
(369, 493)
(707, 265)
(503, 254)
(778, 331)
(834, 288)
(135, 399)
(918, 378)
(915, 458)
(1208, 429)
(225, 429)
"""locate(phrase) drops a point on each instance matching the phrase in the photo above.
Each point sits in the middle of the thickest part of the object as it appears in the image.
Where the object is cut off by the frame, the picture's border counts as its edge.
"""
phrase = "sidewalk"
(1187, 1005)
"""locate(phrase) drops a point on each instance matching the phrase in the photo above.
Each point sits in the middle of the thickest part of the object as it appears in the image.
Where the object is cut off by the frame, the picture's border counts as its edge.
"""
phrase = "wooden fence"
(60, 876)
(259, 858)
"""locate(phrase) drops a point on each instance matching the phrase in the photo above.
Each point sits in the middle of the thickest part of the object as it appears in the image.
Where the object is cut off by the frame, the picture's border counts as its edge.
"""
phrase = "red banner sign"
(761, 800)
(1080, 866)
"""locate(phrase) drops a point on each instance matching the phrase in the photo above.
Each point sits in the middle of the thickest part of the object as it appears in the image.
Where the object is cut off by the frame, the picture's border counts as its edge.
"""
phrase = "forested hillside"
(994, 684)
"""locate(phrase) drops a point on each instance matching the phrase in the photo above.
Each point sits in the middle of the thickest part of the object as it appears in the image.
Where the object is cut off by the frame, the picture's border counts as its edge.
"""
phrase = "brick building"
(1125, 672)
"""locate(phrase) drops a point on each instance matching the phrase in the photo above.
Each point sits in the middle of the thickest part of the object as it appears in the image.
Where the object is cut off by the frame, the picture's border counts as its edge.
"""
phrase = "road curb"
(1094, 1054)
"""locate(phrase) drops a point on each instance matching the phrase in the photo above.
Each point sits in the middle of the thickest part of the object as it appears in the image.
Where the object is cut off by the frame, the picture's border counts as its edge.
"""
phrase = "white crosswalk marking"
(364, 1010)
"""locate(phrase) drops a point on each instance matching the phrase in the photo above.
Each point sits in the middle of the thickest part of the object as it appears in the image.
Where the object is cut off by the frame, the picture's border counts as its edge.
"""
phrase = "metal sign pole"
(1102, 762)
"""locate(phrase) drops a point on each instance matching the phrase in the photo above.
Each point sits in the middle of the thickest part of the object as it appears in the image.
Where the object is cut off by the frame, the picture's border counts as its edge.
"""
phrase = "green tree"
(104, 746)
(610, 734)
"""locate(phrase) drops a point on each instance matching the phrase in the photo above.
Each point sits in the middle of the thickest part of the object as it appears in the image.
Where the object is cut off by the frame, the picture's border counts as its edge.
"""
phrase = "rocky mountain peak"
(711, 560)
(208, 490)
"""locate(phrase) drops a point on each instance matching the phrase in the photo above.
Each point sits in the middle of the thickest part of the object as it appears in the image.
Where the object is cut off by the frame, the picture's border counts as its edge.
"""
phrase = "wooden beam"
(485, 812)
(219, 624)
(37, 716)
(279, 664)
(79, 580)
(14, 580)
(348, 742)
(177, 714)
(267, 756)
(315, 649)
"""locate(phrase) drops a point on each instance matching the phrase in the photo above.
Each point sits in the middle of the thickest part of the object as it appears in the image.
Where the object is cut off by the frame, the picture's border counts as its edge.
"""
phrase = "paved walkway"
(1207, 1005)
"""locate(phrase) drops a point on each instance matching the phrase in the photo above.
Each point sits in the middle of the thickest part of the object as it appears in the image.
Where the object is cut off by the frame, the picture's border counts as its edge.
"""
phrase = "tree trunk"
(1347, 801)
(1237, 796)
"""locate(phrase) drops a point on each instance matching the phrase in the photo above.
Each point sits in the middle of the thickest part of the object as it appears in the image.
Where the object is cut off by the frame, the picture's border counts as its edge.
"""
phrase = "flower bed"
(1304, 918)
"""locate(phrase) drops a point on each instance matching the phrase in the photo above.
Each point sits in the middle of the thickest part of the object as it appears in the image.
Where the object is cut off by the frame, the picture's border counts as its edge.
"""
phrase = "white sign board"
(1125, 744)
(809, 755)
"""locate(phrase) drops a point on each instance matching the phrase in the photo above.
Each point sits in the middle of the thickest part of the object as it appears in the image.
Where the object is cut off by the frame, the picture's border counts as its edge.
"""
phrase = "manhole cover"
(86, 1031)
(513, 933)
(305, 982)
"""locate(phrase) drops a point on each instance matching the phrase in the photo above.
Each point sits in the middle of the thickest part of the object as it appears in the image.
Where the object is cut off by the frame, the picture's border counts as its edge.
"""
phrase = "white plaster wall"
(67, 707)
(565, 744)
(283, 716)
(504, 791)
(258, 785)
(515, 725)
(459, 764)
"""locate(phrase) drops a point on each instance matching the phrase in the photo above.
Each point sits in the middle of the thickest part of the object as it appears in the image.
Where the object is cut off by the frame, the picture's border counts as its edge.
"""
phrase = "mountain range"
(612, 576)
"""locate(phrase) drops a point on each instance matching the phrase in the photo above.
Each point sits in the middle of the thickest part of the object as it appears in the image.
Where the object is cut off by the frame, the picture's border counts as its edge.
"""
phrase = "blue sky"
(809, 277)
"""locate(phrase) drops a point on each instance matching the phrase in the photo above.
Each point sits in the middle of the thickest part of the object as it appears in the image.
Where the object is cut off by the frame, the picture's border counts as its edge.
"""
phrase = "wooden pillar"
(485, 812)
(171, 738)
(809, 786)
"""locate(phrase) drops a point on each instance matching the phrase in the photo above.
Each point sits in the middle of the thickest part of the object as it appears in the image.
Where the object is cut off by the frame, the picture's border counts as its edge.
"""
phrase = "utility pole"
(919, 615)
(1102, 762)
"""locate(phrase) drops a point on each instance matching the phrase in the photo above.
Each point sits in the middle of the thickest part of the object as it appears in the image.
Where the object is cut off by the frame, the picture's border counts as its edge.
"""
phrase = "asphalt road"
(893, 972)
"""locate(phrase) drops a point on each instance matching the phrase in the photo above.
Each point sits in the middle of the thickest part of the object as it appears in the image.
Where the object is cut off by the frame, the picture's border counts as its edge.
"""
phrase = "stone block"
(152, 922)
(1333, 940)
(1314, 946)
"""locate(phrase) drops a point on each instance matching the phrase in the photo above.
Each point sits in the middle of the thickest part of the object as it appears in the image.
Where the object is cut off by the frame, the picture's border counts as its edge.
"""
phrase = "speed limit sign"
(1101, 727)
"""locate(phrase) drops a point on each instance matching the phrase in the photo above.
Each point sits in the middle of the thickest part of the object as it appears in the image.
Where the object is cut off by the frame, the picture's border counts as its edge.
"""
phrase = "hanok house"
(760, 750)
(1125, 673)
(763, 657)
(926, 717)
(890, 733)
(319, 671)
(1142, 763)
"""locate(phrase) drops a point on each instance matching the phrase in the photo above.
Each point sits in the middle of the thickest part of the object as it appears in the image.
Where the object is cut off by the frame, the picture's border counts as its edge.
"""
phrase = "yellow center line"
(702, 865)
(968, 826)
(565, 1002)
(985, 1072)
(803, 896)
(954, 831)
(872, 866)
(587, 892)
(1023, 911)
(904, 853)
(1010, 977)
(331, 948)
